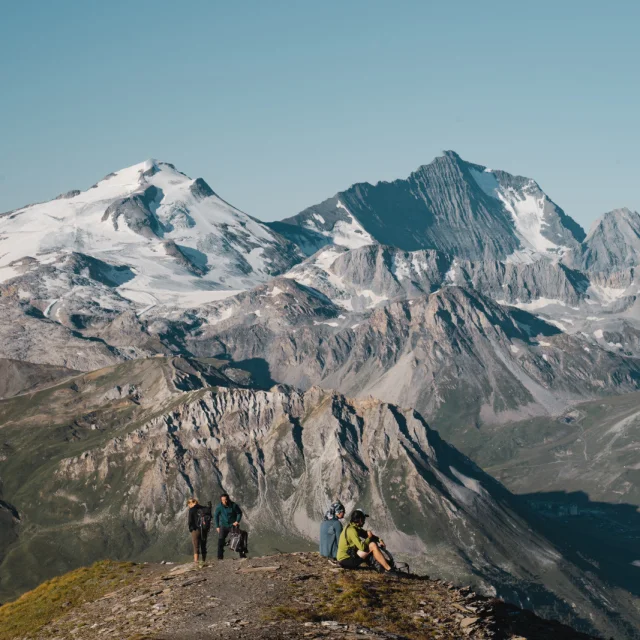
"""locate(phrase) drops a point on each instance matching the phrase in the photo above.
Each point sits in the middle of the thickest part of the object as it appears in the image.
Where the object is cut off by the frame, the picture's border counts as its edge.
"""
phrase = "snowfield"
(527, 211)
(179, 239)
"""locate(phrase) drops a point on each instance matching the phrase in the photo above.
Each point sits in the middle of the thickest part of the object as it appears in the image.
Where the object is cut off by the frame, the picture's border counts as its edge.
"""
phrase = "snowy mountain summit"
(166, 234)
(463, 209)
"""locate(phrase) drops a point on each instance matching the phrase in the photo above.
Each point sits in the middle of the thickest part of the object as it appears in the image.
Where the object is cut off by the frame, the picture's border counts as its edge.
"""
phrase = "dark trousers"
(199, 541)
(222, 538)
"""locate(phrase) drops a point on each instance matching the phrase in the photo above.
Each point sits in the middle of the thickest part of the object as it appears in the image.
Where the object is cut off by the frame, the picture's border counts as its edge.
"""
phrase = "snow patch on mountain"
(351, 233)
(528, 215)
(450, 276)
(534, 305)
(526, 207)
(318, 273)
(606, 295)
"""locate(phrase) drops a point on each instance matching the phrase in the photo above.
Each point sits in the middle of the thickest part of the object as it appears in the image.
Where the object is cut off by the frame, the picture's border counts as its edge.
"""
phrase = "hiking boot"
(392, 574)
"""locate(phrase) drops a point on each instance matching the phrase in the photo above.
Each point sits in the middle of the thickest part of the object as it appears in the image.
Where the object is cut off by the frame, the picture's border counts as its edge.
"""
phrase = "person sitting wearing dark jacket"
(227, 515)
(198, 532)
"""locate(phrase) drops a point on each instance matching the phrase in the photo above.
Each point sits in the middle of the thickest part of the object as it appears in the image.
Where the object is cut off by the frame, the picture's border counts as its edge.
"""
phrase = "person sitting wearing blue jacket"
(330, 530)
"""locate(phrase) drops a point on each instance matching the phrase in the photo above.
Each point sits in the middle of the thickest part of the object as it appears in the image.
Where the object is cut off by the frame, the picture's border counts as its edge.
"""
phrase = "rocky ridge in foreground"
(297, 595)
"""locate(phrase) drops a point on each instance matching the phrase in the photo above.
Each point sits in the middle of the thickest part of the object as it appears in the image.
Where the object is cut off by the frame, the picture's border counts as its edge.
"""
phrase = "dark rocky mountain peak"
(451, 205)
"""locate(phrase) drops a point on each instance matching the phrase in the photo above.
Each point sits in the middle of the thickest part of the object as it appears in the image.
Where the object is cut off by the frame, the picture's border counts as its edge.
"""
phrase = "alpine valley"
(450, 351)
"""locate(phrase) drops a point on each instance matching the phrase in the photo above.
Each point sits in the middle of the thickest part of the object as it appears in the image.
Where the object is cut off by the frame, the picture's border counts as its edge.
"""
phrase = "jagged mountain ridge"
(454, 206)
(282, 454)
(84, 279)
(453, 350)
(305, 327)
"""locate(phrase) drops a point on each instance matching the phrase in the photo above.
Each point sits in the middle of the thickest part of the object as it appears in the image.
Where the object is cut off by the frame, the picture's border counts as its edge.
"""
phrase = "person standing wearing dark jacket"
(198, 535)
(227, 515)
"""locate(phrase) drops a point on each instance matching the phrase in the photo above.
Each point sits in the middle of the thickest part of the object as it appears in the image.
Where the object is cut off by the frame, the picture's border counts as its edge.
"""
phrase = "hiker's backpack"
(397, 566)
(238, 540)
(203, 519)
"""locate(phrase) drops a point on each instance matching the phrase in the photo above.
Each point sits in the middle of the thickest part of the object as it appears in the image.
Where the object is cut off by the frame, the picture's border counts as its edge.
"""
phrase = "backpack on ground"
(397, 566)
(203, 519)
(239, 541)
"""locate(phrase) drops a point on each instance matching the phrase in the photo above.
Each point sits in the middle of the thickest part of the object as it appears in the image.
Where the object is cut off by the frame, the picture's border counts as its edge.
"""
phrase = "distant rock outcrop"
(613, 243)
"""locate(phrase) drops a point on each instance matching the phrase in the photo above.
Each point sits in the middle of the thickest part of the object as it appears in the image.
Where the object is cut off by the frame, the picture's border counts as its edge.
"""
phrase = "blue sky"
(280, 104)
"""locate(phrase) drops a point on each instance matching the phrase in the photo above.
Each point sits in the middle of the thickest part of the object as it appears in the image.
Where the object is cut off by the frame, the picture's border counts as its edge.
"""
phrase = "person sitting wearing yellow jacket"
(356, 545)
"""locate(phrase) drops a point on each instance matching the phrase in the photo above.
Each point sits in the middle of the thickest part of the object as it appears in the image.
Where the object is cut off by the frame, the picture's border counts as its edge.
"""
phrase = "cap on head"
(332, 512)
(358, 516)
(337, 507)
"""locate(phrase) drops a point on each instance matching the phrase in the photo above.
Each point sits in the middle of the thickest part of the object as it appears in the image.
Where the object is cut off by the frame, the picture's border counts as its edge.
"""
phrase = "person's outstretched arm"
(238, 514)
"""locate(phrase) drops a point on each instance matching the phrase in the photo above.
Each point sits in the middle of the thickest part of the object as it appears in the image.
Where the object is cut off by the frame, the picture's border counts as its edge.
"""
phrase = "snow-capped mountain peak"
(175, 234)
(451, 205)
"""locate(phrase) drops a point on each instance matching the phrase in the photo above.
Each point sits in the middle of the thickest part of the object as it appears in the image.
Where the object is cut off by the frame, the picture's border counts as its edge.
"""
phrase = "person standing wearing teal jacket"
(227, 515)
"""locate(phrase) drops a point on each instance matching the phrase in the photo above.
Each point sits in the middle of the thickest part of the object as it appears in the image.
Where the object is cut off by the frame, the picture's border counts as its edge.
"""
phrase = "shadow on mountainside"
(600, 537)
(258, 368)
(536, 326)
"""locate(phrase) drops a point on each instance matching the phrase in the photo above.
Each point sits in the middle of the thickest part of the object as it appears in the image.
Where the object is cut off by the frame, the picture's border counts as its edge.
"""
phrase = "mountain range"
(164, 332)
(119, 462)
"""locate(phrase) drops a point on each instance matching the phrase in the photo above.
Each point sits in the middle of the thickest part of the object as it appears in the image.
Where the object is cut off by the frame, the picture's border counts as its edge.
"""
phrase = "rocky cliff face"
(450, 205)
(455, 355)
(613, 243)
(373, 275)
(283, 455)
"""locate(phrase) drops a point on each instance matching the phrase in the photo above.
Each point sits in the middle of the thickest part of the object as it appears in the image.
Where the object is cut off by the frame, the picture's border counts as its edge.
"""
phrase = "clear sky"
(280, 104)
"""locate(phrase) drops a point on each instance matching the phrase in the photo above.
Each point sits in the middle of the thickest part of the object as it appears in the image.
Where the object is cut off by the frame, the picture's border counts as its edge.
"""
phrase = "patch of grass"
(358, 601)
(361, 598)
(25, 617)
